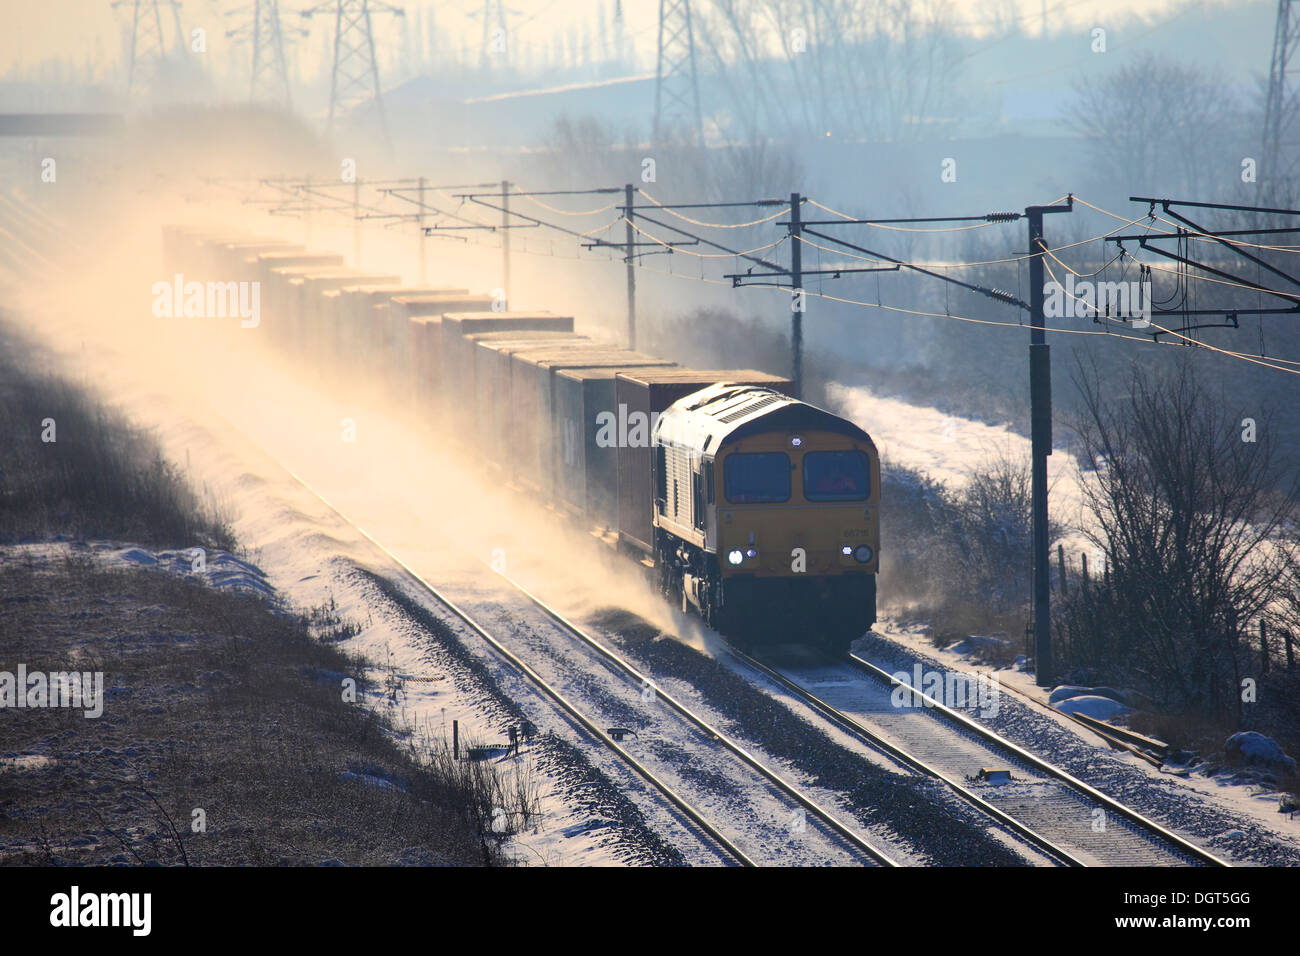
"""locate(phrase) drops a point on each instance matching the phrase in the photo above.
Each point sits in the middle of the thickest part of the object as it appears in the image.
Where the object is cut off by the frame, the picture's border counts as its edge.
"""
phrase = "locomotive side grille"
(679, 485)
(750, 407)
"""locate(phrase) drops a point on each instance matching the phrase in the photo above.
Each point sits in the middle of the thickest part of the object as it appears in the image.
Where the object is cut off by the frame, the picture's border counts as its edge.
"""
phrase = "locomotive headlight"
(736, 556)
(862, 554)
(751, 553)
(846, 550)
(796, 441)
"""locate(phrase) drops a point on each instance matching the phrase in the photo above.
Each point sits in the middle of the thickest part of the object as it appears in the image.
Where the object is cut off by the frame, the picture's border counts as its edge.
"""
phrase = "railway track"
(846, 833)
(1059, 814)
(843, 843)
(1046, 820)
(1041, 829)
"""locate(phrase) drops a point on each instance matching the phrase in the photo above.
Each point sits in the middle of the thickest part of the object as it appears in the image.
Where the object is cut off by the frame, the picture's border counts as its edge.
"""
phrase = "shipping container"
(363, 299)
(491, 352)
(320, 299)
(188, 250)
(231, 258)
(413, 306)
(586, 429)
(525, 427)
(423, 368)
(532, 399)
(281, 327)
(639, 398)
(267, 261)
(455, 357)
(350, 332)
(297, 340)
(282, 298)
(417, 336)
(311, 335)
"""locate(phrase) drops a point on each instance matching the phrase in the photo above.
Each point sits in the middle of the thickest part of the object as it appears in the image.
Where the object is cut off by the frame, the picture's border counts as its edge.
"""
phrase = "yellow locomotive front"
(767, 516)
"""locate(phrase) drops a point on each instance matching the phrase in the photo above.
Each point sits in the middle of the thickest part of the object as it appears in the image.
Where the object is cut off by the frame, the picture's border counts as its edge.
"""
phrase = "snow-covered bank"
(949, 449)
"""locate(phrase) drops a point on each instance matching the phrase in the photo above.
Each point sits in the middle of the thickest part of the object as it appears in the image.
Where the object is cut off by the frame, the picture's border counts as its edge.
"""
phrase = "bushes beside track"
(74, 468)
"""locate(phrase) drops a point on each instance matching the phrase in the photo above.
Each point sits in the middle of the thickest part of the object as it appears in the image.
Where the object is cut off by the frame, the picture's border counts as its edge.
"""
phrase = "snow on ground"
(308, 554)
(222, 430)
(1090, 705)
(949, 448)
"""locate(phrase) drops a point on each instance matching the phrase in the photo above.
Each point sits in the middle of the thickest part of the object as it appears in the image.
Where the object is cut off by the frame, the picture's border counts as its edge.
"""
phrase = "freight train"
(756, 510)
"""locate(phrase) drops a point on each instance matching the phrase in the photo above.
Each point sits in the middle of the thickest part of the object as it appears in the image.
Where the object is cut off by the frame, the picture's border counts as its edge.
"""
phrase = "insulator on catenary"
(1002, 216)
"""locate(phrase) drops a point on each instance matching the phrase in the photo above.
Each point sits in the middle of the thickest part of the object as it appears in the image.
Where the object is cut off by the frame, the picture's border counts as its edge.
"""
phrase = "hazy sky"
(90, 30)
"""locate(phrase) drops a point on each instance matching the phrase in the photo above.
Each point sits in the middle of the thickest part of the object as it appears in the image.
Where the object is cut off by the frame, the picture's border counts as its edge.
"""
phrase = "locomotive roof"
(706, 419)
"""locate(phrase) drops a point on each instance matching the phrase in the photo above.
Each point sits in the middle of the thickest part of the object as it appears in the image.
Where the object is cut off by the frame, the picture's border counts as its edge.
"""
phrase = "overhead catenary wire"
(1254, 359)
(1141, 339)
(897, 228)
(567, 212)
(710, 225)
(344, 207)
(705, 255)
(990, 220)
(984, 262)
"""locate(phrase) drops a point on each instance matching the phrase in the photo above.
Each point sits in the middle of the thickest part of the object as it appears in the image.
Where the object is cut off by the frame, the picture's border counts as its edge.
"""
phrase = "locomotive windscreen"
(836, 476)
(757, 477)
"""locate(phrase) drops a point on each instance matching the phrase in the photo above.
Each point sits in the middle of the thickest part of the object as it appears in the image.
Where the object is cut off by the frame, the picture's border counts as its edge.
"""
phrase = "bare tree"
(880, 69)
(1189, 516)
(583, 150)
(1155, 125)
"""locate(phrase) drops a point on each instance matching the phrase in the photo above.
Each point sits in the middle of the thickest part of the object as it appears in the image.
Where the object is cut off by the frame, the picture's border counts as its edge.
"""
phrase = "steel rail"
(845, 722)
(1180, 845)
(687, 810)
(774, 778)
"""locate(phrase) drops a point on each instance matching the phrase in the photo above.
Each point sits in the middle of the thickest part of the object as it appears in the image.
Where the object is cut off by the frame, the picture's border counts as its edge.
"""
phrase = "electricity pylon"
(677, 88)
(269, 82)
(148, 48)
(1282, 105)
(495, 40)
(355, 75)
(620, 34)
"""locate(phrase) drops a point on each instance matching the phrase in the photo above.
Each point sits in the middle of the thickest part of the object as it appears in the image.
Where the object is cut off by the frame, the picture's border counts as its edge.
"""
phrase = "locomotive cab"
(766, 515)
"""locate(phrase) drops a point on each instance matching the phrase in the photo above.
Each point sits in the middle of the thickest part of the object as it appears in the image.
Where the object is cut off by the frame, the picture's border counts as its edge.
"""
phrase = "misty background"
(860, 106)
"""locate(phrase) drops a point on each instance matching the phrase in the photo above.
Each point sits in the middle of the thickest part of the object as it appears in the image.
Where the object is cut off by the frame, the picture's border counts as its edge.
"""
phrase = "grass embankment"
(225, 737)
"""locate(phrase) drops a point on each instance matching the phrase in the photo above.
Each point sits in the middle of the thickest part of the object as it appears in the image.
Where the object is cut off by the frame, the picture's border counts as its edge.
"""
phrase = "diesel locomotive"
(766, 516)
